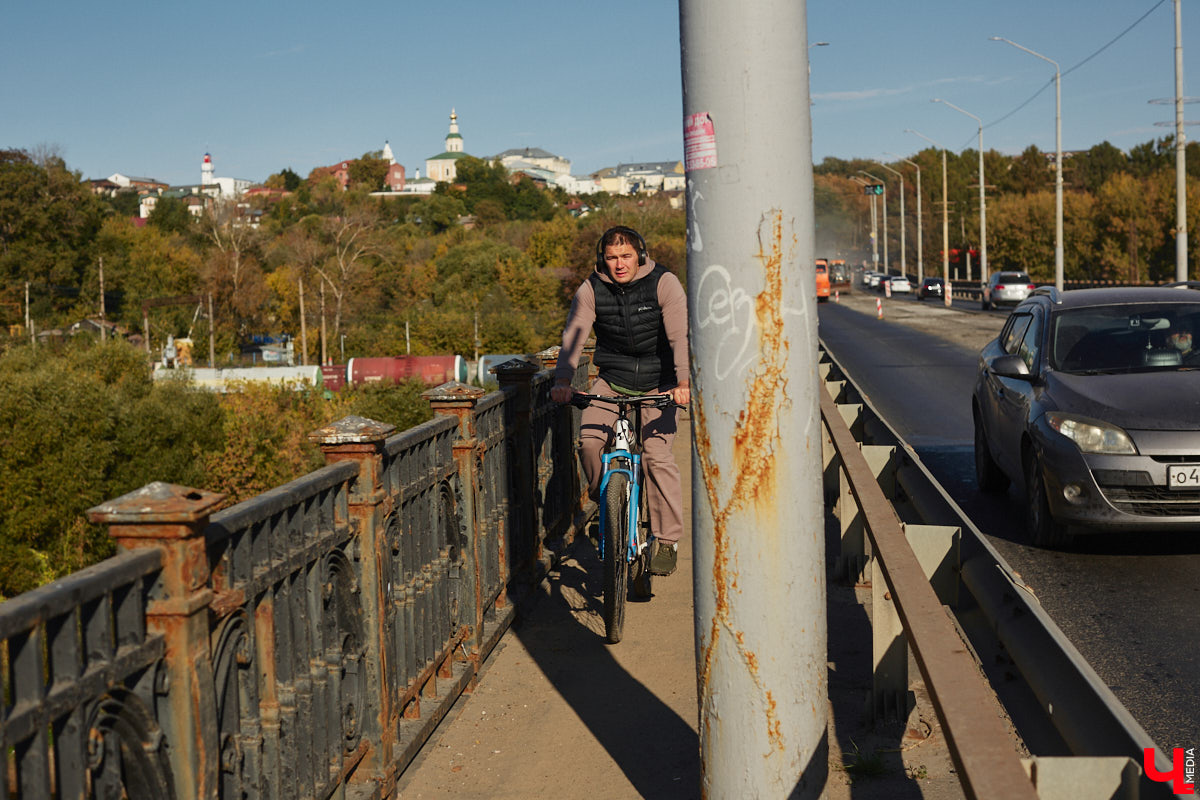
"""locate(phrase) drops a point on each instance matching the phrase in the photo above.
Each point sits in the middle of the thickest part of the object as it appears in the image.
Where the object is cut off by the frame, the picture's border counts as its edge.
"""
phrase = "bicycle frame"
(623, 450)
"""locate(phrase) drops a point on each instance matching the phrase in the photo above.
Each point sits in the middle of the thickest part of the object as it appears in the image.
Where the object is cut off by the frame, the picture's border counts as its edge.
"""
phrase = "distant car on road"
(931, 287)
(873, 280)
(1006, 288)
(898, 284)
(1089, 398)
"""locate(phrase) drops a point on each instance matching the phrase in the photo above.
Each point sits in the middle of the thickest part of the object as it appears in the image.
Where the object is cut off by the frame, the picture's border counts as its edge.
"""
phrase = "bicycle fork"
(622, 453)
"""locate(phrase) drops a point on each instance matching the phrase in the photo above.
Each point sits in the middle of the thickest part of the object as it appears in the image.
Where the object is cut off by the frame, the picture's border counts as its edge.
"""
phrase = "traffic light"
(873, 188)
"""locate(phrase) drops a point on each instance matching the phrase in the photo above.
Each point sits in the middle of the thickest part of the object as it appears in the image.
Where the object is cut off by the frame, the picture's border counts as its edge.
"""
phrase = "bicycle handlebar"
(581, 400)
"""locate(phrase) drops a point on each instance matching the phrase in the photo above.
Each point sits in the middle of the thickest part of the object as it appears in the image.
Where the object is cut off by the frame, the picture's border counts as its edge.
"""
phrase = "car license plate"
(1184, 476)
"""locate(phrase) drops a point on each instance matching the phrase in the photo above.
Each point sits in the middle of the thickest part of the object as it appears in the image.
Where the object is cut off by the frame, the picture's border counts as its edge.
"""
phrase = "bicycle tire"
(641, 580)
(616, 565)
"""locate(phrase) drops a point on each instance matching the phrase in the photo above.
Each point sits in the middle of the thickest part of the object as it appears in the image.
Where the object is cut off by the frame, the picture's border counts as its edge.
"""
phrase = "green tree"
(171, 215)
(438, 212)
(285, 179)
(1091, 169)
(1027, 173)
(48, 221)
(368, 173)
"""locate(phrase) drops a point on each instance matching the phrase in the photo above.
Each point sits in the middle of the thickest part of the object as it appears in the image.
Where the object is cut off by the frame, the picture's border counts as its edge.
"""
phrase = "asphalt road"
(1130, 604)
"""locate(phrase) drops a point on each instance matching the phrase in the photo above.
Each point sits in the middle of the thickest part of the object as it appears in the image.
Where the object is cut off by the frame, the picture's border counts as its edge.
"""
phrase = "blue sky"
(146, 88)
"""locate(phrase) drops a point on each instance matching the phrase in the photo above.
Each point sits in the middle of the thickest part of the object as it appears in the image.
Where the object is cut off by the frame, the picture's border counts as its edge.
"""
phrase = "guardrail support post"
(889, 654)
(173, 518)
(359, 439)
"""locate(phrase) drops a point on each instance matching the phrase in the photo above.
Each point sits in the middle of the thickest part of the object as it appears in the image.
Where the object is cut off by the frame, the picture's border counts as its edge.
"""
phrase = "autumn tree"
(232, 270)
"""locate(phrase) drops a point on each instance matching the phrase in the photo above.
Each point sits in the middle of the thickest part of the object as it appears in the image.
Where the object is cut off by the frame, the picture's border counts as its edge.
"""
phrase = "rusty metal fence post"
(459, 400)
(172, 519)
(523, 546)
(361, 440)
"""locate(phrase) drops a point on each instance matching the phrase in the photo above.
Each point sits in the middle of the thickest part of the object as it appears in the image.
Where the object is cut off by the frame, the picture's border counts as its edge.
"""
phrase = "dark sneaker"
(663, 560)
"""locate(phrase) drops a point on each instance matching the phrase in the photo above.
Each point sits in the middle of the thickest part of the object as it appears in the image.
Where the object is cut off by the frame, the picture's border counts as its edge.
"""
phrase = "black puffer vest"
(632, 350)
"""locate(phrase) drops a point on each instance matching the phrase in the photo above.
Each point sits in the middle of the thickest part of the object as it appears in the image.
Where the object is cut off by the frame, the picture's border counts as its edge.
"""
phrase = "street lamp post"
(983, 262)
(945, 220)
(887, 265)
(920, 234)
(903, 225)
(1058, 182)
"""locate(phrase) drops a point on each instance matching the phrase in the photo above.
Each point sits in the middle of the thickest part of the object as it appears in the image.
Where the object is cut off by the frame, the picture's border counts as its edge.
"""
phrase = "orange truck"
(822, 280)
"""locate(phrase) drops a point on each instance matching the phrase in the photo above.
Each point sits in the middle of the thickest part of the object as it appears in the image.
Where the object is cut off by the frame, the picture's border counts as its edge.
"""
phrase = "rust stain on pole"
(755, 442)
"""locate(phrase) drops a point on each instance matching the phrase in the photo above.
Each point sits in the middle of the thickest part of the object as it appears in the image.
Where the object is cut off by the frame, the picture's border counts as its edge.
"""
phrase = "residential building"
(393, 181)
(519, 158)
(135, 182)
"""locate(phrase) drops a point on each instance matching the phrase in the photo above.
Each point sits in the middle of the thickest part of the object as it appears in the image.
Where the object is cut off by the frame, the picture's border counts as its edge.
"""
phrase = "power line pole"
(103, 323)
(757, 520)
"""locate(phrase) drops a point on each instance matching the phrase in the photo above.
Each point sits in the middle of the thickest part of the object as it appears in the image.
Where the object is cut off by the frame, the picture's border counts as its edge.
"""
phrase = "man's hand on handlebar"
(682, 394)
(561, 392)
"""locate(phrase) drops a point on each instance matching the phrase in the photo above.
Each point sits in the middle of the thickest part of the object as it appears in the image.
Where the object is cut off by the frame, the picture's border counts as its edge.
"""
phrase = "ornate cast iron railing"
(305, 642)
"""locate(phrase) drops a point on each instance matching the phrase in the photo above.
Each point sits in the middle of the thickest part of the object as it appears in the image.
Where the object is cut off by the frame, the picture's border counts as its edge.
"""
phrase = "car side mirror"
(1010, 366)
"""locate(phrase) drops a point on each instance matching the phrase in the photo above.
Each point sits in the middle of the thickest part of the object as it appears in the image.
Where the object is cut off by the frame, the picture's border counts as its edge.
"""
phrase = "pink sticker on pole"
(699, 142)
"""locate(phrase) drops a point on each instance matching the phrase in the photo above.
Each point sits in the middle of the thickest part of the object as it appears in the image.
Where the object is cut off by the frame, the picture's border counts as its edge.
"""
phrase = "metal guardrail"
(876, 481)
(303, 643)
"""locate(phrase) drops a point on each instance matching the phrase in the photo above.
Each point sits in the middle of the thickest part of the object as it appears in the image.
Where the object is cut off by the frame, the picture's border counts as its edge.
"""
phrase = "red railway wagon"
(431, 370)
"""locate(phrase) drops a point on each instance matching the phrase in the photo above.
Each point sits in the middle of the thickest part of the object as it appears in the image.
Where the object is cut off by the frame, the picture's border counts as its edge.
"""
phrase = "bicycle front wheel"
(616, 564)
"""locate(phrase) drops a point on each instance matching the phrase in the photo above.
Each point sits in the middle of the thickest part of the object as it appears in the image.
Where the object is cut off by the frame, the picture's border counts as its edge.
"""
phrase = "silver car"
(1006, 288)
(1091, 399)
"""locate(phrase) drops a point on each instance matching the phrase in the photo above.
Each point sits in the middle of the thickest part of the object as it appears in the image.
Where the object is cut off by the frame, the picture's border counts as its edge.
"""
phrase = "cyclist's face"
(622, 262)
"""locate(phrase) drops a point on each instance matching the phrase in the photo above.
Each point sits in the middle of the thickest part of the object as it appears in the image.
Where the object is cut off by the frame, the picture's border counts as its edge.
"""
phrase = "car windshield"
(1125, 338)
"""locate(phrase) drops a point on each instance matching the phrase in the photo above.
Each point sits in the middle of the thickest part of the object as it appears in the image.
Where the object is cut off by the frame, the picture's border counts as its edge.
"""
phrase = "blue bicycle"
(625, 532)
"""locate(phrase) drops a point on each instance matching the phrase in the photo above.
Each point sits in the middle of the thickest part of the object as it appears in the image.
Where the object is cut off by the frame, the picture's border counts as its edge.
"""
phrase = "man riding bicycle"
(638, 310)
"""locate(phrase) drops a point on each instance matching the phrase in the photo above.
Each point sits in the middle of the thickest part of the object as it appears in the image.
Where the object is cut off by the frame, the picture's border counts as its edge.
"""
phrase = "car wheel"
(988, 476)
(1044, 530)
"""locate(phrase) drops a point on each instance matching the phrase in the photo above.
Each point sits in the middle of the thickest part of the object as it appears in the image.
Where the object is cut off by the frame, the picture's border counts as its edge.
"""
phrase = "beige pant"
(664, 495)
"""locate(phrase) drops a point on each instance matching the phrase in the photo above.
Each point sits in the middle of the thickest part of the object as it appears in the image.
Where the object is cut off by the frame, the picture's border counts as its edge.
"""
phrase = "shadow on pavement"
(657, 750)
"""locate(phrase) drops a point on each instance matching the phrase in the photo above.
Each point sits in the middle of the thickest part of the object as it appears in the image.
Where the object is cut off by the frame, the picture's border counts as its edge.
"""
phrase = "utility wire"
(1050, 83)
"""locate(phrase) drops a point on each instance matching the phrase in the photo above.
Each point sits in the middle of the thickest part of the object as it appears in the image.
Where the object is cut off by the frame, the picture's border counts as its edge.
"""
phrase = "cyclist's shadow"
(656, 748)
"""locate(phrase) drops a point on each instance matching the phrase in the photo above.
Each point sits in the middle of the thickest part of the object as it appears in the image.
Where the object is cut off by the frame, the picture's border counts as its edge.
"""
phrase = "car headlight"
(1092, 436)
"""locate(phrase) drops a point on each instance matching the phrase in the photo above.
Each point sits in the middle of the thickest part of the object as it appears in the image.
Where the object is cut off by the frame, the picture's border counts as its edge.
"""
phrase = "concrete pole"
(887, 264)
(874, 233)
(303, 327)
(945, 234)
(212, 335)
(1181, 270)
(757, 520)
(903, 224)
(983, 261)
(920, 222)
(1058, 182)
(103, 318)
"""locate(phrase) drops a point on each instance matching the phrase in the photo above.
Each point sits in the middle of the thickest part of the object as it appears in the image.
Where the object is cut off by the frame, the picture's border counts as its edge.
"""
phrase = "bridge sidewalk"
(560, 713)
